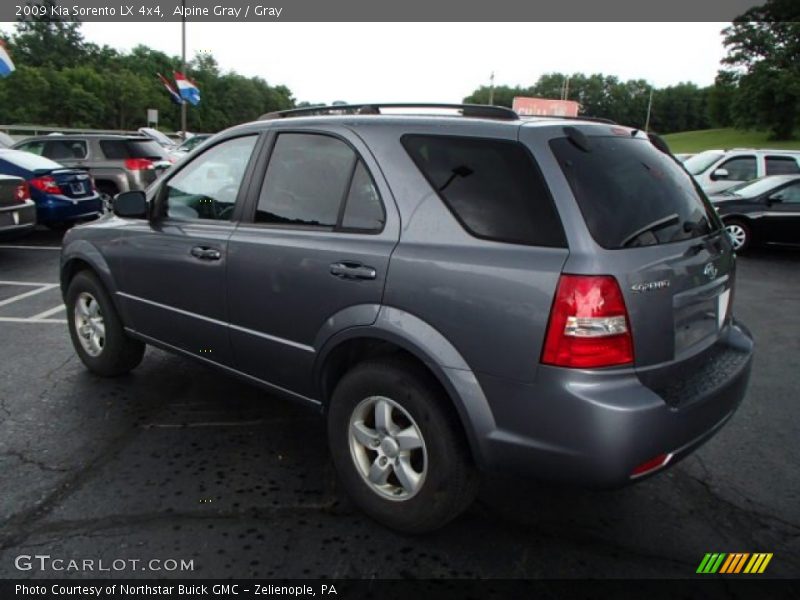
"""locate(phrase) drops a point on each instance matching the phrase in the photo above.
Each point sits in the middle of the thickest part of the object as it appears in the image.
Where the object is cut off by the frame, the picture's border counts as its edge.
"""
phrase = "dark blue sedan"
(61, 195)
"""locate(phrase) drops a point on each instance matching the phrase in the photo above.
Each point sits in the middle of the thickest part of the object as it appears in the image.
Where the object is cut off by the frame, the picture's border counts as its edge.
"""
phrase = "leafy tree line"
(758, 86)
(677, 108)
(62, 80)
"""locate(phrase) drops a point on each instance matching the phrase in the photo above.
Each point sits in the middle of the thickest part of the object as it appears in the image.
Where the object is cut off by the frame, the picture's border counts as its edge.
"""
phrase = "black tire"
(450, 482)
(120, 353)
(743, 232)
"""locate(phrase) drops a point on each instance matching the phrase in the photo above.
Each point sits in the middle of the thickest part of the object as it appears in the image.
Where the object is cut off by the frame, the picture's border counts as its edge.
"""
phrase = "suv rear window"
(120, 149)
(632, 194)
(493, 187)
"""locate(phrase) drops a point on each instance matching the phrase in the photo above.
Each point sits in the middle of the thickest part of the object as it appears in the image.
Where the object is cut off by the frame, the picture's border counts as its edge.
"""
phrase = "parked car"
(6, 141)
(548, 297)
(762, 211)
(189, 144)
(62, 195)
(17, 210)
(159, 137)
(717, 170)
(116, 163)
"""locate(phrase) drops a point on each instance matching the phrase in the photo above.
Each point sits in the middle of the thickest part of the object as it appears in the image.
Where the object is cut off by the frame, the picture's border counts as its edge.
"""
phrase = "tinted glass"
(306, 181)
(741, 168)
(364, 209)
(65, 149)
(121, 149)
(782, 165)
(790, 194)
(631, 194)
(206, 188)
(32, 147)
(492, 187)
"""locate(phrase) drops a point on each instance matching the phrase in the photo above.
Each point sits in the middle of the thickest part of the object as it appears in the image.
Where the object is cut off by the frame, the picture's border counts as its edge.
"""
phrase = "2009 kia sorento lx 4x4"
(458, 292)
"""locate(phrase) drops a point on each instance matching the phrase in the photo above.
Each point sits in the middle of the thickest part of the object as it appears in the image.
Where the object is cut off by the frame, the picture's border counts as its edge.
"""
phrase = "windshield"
(192, 142)
(752, 188)
(700, 162)
(631, 194)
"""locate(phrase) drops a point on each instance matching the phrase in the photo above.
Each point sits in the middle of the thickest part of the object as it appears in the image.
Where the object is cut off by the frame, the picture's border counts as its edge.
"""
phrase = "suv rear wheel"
(399, 454)
(96, 329)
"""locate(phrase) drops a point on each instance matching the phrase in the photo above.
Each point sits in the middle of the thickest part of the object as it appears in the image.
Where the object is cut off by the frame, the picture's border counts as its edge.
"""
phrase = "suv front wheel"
(400, 455)
(96, 329)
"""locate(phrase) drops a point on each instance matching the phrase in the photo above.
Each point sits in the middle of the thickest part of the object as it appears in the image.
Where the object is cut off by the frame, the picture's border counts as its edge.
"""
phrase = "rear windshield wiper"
(654, 226)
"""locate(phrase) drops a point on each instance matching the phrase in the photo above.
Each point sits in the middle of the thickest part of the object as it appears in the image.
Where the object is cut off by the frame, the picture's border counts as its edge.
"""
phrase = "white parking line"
(30, 283)
(46, 313)
(44, 288)
(13, 247)
(24, 320)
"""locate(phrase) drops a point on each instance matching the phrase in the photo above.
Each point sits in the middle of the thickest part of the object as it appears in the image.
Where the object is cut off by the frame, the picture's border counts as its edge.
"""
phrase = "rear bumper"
(595, 427)
(17, 220)
(54, 209)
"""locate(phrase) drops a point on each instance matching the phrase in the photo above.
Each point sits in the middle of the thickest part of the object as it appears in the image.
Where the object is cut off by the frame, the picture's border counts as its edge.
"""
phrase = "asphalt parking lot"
(179, 461)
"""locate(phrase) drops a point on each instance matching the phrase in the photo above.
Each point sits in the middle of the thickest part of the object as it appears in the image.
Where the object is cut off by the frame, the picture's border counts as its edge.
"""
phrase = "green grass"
(707, 139)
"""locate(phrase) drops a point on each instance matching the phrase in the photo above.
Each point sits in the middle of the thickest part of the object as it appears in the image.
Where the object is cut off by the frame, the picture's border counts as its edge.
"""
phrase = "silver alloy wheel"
(737, 234)
(89, 324)
(387, 448)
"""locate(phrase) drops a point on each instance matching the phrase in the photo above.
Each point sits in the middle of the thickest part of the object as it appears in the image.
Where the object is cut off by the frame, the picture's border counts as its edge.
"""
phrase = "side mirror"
(719, 174)
(131, 205)
(774, 199)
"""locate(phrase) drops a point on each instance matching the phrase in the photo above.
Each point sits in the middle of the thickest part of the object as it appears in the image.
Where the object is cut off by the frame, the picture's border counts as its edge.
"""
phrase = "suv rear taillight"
(22, 192)
(45, 184)
(138, 164)
(589, 325)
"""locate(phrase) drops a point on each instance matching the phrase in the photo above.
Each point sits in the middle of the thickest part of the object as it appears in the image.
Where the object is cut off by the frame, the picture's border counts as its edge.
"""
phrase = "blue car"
(62, 195)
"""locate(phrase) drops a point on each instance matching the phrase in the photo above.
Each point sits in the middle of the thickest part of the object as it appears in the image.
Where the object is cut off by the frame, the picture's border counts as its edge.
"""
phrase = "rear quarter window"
(631, 194)
(493, 187)
(121, 149)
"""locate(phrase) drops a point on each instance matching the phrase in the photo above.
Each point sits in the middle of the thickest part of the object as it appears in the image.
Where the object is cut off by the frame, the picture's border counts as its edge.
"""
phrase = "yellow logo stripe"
(764, 564)
(753, 563)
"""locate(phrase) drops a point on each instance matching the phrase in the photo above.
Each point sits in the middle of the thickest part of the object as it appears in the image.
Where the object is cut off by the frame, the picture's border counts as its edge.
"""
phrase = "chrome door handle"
(352, 270)
(206, 253)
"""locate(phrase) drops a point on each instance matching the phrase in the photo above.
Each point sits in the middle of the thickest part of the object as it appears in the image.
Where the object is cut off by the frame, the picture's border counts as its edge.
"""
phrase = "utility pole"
(649, 107)
(566, 88)
(183, 66)
(491, 88)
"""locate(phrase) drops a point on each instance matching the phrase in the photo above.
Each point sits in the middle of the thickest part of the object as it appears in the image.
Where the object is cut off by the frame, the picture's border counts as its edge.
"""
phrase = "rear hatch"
(142, 155)
(657, 234)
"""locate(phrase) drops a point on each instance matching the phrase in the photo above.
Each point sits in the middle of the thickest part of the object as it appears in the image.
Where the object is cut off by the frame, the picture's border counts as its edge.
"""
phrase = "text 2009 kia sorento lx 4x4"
(458, 292)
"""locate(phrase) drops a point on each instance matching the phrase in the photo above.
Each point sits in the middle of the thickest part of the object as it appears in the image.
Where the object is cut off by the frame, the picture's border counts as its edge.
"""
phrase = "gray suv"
(456, 293)
(117, 163)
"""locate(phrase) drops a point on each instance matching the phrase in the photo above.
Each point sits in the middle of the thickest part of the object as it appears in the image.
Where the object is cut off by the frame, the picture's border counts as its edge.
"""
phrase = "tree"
(48, 41)
(763, 46)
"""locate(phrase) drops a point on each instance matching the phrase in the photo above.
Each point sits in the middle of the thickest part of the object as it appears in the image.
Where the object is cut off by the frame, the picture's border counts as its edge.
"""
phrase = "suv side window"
(493, 187)
(33, 147)
(740, 168)
(782, 165)
(65, 149)
(318, 181)
(206, 188)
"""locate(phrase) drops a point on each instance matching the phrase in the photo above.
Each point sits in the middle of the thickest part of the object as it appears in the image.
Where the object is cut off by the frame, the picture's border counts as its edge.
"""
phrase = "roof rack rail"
(467, 110)
(571, 118)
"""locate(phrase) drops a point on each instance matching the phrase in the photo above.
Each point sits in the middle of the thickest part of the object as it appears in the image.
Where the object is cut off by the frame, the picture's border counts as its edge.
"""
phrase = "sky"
(431, 62)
